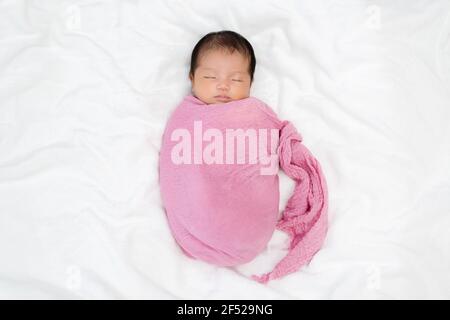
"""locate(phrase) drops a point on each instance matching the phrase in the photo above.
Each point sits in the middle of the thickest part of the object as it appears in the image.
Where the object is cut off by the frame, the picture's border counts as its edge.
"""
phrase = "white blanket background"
(86, 88)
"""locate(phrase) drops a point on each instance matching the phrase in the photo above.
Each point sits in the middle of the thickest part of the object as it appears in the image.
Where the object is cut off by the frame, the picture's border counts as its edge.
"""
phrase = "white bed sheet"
(86, 88)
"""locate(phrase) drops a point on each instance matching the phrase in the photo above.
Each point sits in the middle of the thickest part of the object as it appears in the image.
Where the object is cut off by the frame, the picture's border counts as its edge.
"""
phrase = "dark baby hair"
(228, 40)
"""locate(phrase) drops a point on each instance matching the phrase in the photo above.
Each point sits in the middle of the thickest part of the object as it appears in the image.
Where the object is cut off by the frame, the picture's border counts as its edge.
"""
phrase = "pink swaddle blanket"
(220, 189)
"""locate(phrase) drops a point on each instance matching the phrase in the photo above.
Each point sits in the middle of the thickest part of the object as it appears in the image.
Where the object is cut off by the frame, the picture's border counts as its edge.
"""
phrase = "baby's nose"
(223, 84)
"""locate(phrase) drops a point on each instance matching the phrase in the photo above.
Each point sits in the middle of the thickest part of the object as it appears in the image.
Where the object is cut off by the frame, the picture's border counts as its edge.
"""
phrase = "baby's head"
(222, 67)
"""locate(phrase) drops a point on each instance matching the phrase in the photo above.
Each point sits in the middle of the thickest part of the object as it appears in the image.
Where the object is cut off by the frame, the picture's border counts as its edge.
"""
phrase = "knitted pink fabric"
(225, 212)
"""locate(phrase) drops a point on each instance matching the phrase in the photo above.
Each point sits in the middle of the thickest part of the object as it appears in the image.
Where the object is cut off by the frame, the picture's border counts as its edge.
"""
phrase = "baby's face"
(221, 77)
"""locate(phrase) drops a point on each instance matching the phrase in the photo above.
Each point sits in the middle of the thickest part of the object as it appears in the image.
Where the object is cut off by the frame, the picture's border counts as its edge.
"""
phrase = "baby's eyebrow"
(232, 72)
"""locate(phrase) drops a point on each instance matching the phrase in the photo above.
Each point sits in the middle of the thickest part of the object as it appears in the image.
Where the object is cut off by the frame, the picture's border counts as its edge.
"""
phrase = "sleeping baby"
(222, 68)
(218, 184)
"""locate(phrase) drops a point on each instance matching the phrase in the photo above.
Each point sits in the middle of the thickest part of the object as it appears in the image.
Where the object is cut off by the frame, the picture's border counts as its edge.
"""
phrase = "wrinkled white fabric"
(86, 89)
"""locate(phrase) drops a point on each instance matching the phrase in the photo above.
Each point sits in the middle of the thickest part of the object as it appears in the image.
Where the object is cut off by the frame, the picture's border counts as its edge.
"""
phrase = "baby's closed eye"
(210, 77)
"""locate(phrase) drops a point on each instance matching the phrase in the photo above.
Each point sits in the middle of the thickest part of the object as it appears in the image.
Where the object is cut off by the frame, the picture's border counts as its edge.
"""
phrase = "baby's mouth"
(222, 98)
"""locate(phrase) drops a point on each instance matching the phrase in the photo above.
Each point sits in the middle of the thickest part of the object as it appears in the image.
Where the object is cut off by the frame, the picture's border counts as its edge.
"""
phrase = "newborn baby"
(222, 200)
(222, 68)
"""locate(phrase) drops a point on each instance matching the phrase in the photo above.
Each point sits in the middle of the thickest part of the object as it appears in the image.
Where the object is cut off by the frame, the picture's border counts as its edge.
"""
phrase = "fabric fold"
(305, 217)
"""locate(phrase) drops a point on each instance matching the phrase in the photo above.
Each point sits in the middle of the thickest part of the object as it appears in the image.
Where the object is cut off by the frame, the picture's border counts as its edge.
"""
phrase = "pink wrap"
(224, 212)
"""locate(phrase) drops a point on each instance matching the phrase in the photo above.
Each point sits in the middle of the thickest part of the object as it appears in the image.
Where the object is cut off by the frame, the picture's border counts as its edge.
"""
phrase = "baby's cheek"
(243, 92)
(203, 88)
